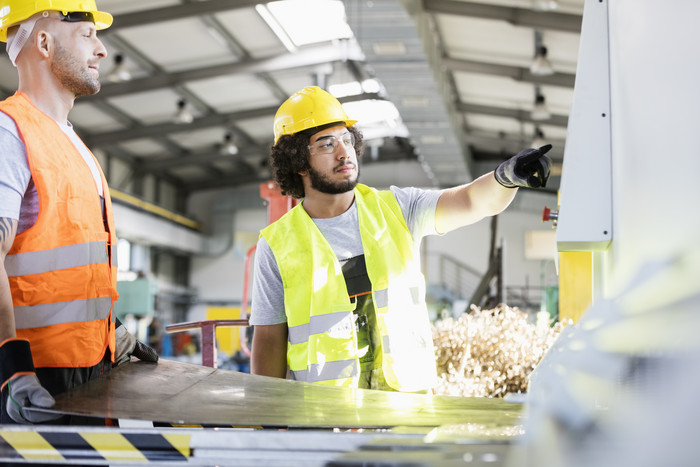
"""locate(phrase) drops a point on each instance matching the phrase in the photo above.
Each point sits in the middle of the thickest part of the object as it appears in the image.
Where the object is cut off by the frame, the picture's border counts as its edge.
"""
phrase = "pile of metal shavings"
(489, 353)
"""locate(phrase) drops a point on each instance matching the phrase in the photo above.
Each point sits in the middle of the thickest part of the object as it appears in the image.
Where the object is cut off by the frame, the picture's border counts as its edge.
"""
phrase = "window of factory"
(123, 255)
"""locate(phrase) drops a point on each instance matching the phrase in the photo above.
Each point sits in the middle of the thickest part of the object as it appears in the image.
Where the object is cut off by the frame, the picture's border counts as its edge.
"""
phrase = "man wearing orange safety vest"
(338, 294)
(57, 238)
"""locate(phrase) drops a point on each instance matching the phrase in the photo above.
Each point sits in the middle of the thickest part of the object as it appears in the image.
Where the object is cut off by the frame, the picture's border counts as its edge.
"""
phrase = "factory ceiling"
(447, 87)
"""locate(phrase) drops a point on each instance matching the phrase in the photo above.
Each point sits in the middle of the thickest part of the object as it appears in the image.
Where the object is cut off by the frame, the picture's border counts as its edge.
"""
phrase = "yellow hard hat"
(15, 11)
(308, 108)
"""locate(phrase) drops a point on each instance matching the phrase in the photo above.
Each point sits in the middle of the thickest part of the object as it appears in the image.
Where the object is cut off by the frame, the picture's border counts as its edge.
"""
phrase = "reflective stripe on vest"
(62, 270)
(322, 338)
(328, 371)
(34, 316)
(64, 257)
(381, 297)
(317, 325)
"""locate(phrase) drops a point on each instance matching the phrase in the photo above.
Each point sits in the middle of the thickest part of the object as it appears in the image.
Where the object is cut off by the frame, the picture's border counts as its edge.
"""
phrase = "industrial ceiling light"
(183, 115)
(540, 110)
(229, 147)
(338, 90)
(541, 66)
(538, 140)
(544, 5)
(119, 73)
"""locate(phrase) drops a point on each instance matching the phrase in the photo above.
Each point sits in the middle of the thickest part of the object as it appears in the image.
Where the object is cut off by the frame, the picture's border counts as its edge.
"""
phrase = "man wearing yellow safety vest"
(338, 295)
(57, 237)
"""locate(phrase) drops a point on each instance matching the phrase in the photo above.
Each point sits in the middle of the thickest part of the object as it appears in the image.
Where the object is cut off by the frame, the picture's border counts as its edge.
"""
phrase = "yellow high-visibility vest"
(322, 338)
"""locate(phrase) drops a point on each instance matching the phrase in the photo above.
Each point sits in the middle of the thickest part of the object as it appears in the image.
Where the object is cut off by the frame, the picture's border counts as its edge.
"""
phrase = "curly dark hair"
(291, 155)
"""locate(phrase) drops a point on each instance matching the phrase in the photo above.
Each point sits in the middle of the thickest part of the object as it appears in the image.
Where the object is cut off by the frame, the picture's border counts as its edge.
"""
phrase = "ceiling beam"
(304, 58)
(226, 182)
(309, 58)
(156, 163)
(96, 140)
(149, 131)
(516, 114)
(508, 145)
(516, 16)
(169, 13)
(515, 72)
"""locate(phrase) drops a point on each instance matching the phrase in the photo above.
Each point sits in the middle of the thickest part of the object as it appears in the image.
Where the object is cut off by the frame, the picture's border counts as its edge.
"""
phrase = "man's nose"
(101, 50)
(343, 152)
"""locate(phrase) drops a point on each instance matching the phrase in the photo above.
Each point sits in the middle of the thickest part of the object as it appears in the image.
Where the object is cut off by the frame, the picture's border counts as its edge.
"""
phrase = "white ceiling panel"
(489, 40)
(251, 32)
(294, 79)
(494, 90)
(179, 44)
(143, 147)
(199, 139)
(193, 173)
(149, 107)
(509, 126)
(116, 7)
(558, 99)
(258, 128)
(234, 92)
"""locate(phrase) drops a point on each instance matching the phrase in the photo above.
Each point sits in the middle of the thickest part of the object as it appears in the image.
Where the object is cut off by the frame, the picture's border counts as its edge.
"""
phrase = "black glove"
(528, 168)
(128, 346)
(23, 387)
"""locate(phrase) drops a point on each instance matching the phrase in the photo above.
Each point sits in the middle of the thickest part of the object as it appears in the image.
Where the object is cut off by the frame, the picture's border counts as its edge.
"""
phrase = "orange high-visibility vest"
(62, 270)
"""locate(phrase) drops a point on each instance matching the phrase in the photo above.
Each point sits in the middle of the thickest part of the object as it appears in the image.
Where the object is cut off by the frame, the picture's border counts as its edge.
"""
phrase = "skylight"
(376, 118)
(310, 21)
(372, 111)
(355, 88)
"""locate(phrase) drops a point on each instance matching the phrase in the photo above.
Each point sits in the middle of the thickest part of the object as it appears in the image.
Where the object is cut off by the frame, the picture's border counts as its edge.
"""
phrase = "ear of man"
(44, 41)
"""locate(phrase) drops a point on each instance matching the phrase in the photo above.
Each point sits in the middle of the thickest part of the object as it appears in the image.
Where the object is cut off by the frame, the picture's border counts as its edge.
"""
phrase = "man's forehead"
(329, 132)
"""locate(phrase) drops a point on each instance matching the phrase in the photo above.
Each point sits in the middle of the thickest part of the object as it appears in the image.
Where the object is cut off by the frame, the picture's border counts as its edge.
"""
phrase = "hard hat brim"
(103, 20)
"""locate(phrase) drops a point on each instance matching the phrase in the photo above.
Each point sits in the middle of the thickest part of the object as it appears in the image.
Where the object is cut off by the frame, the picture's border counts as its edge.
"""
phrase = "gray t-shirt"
(18, 196)
(267, 303)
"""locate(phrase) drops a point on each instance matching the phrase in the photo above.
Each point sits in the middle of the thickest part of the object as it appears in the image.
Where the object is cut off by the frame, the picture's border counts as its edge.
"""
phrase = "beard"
(322, 183)
(74, 76)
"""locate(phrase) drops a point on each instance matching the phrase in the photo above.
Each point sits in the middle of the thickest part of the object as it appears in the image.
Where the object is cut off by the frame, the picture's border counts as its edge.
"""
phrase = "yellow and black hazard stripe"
(95, 445)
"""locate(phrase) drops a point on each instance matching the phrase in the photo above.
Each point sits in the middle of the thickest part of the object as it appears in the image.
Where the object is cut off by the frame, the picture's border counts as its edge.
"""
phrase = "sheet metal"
(181, 393)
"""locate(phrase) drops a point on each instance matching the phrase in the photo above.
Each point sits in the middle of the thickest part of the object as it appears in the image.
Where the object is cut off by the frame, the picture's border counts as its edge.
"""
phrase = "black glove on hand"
(23, 387)
(528, 168)
(127, 345)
